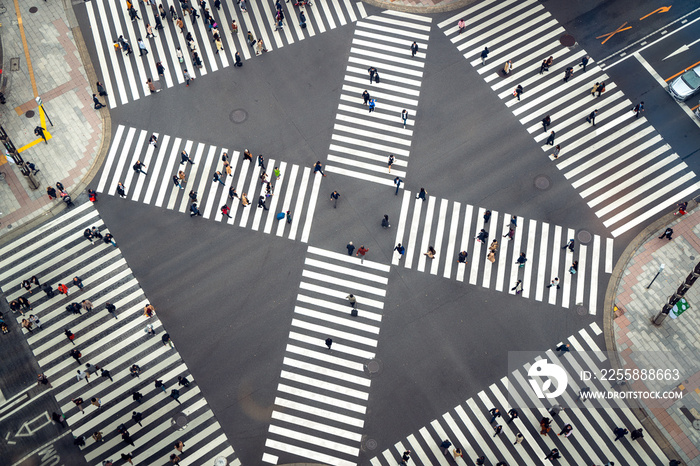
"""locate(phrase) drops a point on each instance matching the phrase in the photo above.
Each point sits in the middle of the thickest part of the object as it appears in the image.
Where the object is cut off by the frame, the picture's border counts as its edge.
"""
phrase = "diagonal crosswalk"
(124, 77)
(322, 395)
(362, 142)
(294, 191)
(621, 166)
(467, 426)
(451, 227)
(56, 252)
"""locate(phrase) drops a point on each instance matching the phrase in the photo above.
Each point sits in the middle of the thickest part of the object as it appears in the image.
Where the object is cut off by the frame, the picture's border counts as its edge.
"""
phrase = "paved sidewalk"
(49, 66)
(676, 342)
(421, 6)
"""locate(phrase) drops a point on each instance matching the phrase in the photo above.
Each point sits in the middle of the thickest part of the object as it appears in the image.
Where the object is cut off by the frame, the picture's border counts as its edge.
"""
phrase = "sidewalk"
(421, 6)
(675, 343)
(51, 65)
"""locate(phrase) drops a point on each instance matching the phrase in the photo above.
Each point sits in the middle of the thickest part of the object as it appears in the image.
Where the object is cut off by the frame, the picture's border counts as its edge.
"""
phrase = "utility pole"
(11, 151)
(675, 297)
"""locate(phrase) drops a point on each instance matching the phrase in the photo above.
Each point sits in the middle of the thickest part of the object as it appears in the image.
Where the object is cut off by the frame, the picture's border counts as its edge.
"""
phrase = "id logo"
(548, 371)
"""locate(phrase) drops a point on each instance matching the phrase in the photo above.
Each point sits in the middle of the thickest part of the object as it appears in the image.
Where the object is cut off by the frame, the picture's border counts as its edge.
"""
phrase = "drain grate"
(14, 64)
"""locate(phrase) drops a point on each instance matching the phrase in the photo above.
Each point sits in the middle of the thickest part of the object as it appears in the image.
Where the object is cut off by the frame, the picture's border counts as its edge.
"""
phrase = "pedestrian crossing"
(451, 227)
(322, 395)
(124, 77)
(467, 426)
(621, 166)
(362, 141)
(294, 191)
(56, 252)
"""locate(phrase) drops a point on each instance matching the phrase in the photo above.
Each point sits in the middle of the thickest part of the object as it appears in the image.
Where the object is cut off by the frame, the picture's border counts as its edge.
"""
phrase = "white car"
(685, 85)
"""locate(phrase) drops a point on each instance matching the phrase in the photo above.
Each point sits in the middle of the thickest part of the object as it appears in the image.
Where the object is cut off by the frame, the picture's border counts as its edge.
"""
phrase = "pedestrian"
(569, 245)
(101, 89)
(405, 457)
(543, 66)
(176, 180)
(372, 105)
(554, 410)
(569, 72)
(584, 62)
(83, 376)
(361, 253)
(276, 173)
(35, 320)
(620, 432)
(352, 300)
(139, 166)
(495, 414)
(404, 117)
(554, 454)
(400, 249)
(518, 438)
(175, 394)
(79, 441)
(226, 210)
(137, 417)
(126, 437)
(372, 71)
(385, 222)
(71, 337)
(25, 304)
(149, 310)
(461, 25)
(457, 452)
(637, 434)
(639, 108)
(188, 78)
(96, 101)
(445, 445)
(550, 139)
(194, 211)
(482, 236)
(497, 429)
(507, 68)
(135, 370)
(350, 247)
(414, 49)
(493, 247)
(462, 257)
(329, 342)
(79, 403)
(159, 384)
(335, 195)
(521, 260)
(112, 309)
(51, 192)
(681, 208)
(573, 270)
(422, 194)
(397, 182)
(668, 233)
(166, 340)
(244, 200)
(96, 402)
(128, 456)
(142, 47)
(546, 121)
(302, 19)
(554, 282)
(105, 373)
(183, 381)
(57, 418)
(261, 47)
(430, 253)
(480, 460)
(174, 459)
(601, 88)
(26, 324)
(544, 426)
(557, 149)
(318, 167)
(513, 413)
(518, 90)
(591, 117)
(136, 396)
(563, 348)
(484, 54)
(121, 189)
(261, 203)
(63, 289)
(365, 97)
(487, 216)
(566, 430)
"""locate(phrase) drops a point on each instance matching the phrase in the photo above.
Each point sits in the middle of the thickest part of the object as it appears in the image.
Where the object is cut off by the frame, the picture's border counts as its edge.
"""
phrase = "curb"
(388, 5)
(97, 161)
(608, 316)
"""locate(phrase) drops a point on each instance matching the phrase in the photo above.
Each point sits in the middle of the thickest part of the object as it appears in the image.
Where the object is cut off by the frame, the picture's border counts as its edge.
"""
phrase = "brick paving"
(677, 341)
(63, 84)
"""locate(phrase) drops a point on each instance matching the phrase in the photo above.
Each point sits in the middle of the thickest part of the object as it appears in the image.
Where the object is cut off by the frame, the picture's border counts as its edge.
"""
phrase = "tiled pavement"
(676, 341)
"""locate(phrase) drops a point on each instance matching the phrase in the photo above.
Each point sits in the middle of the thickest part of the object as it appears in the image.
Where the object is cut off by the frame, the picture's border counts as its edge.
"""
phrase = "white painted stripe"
(530, 252)
(595, 266)
(476, 253)
(392, 32)
(323, 330)
(554, 270)
(418, 450)
(308, 424)
(340, 282)
(174, 156)
(206, 169)
(488, 266)
(121, 162)
(310, 210)
(608, 255)
(118, 55)
(325, 357)
(442, 217)
(581, 281)
(300, 202)
(411, 246)
(502, 255)
(329, 400)
(360, 175)
(110, 158)
(428, 223)
(193, 170)
(433, 447)
(364, 166)
(403, 216)
(306, 453)
(360, 354)
(333, 319)
(321, 384)
(250, 194)
(339, 307)
(452, 241)
(142, 178)
(346, 258)
(516, 253)
(466, 240)
(278, 187)
(346, 270)
(322, 413)
(106, 78)
(288, 196)
(260, 211)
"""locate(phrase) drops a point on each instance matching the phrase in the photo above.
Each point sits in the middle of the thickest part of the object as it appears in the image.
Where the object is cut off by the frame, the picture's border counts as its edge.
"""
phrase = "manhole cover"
(542, 182)
(179, 421)
(371, 444)
(33, 9)
(692, 258)
(696, 424)
(29, 114)
(14, 64)
(238, 116)
(220, 461)
(567, 40)
(584, 237)
(373, 367)
(581, 310)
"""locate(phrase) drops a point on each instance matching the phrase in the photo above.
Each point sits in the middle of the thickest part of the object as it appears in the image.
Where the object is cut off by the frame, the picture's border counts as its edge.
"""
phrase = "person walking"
(261, 203)
(183, 381)
(58, 419)
(83, 376)
(513, 415)
(121, 189)
(414, 49)
(372, 105)
(554, 454)
(422, 194)
(105, 373)
(352, 300)
(335, 195)
(639, 108)
(318, 167)
(126, 438)
(96, 402)
(372, 71)
(591, 117)
(138, 167)
(111, 308)
(401, 250)
(521, 260)
(142, 47)
(96, 101)
(563, 348)
(385, 222)
(158, 383)
(557, 149)
(365, 97)
(461, 25)
(166, 340)
(495, 414)
(462, 257)
(637, 434)
(566, 430)
(445, 445)
(482, 236)
(351, 248)
(329, 342)
(404, 117)
(550, 139)
(484, 54)
(430, 253)
(188, 78)
(546, 121)
(405, 457)
(135, 370)
(570, 245)
(681, 208)
(397, 182)
(217, 177)
(601, 88)
(226, 210)
(101, 89)
(573, 269)
(137, 417)
(620, 432)
(518, 90)
(584, 62)
(554, 282)
(569, 72)
(497, 429)
(361, 253)
(668, 234)
(555, 410)
(175, 394)
(518, 439)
